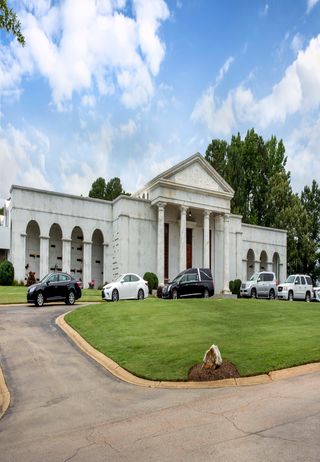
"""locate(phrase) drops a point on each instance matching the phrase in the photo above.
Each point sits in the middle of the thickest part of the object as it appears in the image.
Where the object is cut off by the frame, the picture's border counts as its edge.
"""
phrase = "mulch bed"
(225, 371)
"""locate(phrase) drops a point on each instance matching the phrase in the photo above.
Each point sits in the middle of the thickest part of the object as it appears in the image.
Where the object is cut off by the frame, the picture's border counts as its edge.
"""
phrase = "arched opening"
(55, 248)
(97, 258)
(76, 253)
(250, 263)
(32, 257)
(276, 265)
(263, 261)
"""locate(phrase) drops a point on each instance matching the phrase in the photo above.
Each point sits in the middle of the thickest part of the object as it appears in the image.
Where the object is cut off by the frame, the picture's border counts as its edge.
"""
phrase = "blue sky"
(129, 88)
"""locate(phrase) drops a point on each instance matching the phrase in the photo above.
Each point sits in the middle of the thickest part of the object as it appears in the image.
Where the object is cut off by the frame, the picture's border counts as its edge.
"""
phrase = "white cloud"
(77, 175)
(302, 147)
(297, 91)
(88, 101)
(129, 128)
(23, 158)
(265, 10)
(206, 111)
(82, 49)
(311, 4)
(297, 43)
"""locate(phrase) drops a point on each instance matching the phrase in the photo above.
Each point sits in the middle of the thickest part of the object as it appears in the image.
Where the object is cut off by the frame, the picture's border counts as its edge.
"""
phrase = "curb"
(126, 376)
(4, 395)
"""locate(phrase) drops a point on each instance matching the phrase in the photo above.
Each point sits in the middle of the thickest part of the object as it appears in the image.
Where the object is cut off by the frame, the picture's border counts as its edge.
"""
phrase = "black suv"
(196, 282)
(54, 287)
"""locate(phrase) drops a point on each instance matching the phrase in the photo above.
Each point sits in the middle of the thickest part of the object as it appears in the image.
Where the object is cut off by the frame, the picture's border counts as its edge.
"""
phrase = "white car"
(126, 286)
(296, 287)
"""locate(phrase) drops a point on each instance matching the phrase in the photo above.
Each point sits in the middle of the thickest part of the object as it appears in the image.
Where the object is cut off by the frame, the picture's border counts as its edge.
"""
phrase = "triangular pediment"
(197, 172)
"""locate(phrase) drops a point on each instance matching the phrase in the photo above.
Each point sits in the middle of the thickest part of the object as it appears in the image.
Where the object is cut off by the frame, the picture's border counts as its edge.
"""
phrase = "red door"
(189, 248)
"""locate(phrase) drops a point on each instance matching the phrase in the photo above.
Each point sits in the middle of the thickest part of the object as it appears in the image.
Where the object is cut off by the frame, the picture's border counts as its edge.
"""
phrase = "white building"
(178, 220)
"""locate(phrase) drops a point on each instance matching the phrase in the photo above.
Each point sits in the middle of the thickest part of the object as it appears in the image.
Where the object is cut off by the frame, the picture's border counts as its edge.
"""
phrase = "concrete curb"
(4, 395)
(126, 376)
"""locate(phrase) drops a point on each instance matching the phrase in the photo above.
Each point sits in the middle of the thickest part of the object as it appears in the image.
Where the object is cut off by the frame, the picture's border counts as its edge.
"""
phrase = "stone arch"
(263, 261)
(250, 263)
(276, 265)
(32, 256)
(55, 248)
(76, 269)
(97, 258)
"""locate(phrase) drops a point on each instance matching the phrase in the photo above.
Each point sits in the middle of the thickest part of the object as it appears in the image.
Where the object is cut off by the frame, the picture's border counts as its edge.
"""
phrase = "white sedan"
(126, 286)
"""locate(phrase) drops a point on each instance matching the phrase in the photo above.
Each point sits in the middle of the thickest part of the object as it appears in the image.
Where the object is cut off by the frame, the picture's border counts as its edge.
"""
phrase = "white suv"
(296, 286)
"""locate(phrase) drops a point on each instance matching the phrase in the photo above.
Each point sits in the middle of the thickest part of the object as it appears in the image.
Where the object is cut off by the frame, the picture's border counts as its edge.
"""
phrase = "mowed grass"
(12, 294)
(163, 339)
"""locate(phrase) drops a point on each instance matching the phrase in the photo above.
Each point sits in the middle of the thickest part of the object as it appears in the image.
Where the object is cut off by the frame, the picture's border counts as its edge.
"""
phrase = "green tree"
(107, 191)
(98, 189)
(255, 169)
(310, 199)
(10, 22)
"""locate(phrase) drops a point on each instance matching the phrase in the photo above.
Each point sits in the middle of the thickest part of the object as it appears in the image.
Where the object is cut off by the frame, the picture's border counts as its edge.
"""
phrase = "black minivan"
(193, 282)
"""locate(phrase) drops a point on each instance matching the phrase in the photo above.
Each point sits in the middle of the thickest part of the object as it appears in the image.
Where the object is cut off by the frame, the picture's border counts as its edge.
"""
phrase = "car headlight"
(107, 287)
(168, 287)
(31, 290)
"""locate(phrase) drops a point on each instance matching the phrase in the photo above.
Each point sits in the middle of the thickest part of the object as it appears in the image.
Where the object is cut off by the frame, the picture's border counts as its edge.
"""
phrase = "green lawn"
(11, 294)
(162, 339)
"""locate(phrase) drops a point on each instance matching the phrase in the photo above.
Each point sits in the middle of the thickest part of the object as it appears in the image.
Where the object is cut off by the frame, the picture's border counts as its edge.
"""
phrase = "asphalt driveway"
(66, 407)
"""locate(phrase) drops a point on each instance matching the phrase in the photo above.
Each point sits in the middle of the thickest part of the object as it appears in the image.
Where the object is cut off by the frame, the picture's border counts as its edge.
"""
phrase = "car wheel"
(253, 293)
(70, 298)
(290, 296)
(272, 295)
(308, 298)
(140, 294)
(174, 294)
(39, 299)
(206, 293)
(115, 295)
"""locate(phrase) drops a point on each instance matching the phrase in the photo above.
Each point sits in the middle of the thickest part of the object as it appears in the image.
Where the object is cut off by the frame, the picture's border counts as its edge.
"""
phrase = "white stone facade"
(181, 218)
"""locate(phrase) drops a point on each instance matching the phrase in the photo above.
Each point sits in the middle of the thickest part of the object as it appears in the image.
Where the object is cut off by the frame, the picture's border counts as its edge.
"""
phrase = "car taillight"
(78, 284)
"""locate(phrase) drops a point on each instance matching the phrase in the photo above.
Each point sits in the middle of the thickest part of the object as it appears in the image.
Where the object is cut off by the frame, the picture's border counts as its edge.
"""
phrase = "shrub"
(31, 278)
(6, 273)
(235, 286)
(152, 281)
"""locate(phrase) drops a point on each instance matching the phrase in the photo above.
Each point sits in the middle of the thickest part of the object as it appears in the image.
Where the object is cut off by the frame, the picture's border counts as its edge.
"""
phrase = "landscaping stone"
(212, 358)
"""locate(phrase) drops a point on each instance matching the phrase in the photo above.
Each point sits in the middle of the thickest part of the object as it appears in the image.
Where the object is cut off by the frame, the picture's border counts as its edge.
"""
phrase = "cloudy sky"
(129, 88)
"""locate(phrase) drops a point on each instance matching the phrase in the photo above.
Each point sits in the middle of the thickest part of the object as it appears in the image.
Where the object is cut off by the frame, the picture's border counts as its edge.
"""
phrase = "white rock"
(212, 358)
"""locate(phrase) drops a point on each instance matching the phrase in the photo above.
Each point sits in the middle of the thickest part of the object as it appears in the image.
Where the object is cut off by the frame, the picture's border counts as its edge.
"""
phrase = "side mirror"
(296, 283)
(259, 280)
(121, 282)
(48, 282)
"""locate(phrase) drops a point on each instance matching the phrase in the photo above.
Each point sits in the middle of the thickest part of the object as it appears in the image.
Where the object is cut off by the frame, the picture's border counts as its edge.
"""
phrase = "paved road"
(65, 407)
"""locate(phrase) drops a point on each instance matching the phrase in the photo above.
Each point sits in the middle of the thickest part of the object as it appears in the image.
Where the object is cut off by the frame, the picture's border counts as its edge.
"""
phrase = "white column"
(183, 237)
(107, 270)
(160, 249)
(44, 256)
(206, 239)
(86, 264)
(239, 272)
(225, 289)
(66, 255)
(20, 262)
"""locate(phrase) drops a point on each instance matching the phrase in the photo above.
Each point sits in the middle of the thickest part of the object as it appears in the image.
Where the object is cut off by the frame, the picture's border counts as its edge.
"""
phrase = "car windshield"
(177, 278)
(46, 277)
(119, 278)
(254, 277)
(290, 279)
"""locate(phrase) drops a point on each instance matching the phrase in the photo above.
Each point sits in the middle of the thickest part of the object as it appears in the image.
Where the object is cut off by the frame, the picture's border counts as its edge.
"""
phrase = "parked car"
(296, 287)
(54, 287)
(191, 282)
(261, 284)
(126, 286)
